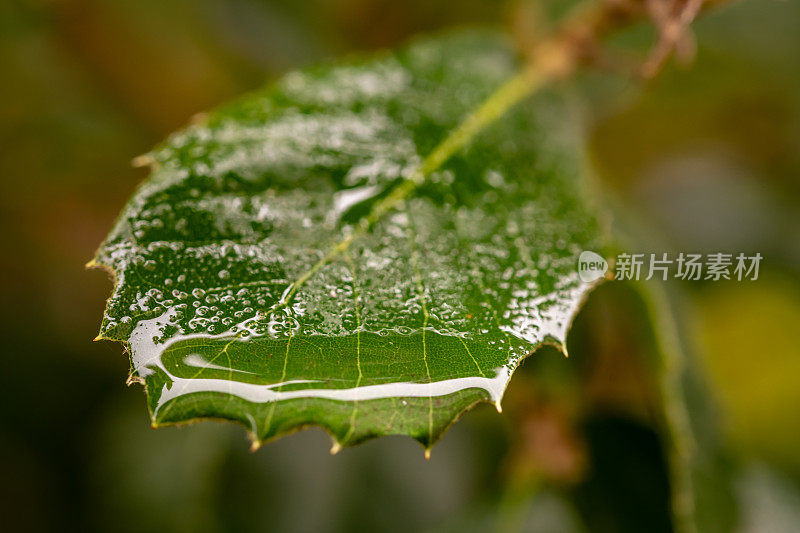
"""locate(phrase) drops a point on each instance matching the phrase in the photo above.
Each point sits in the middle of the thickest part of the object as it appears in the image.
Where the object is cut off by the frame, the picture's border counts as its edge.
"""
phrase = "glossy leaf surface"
(284, 265)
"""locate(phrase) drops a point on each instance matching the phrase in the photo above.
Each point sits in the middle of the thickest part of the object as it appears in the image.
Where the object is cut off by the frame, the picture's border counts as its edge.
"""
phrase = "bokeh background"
(706, 155)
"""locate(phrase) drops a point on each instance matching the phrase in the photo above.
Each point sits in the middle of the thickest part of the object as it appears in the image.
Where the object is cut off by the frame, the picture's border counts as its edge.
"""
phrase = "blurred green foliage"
(708, 155)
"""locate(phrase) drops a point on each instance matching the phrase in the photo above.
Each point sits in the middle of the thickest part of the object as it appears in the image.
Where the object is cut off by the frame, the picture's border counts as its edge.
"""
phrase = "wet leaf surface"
(287, 264)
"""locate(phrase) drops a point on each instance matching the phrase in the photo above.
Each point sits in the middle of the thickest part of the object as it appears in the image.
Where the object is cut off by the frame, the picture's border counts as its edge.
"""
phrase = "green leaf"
(369, 247)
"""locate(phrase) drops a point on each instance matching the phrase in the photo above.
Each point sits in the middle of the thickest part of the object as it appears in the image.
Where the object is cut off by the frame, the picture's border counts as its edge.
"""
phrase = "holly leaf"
(371, 247)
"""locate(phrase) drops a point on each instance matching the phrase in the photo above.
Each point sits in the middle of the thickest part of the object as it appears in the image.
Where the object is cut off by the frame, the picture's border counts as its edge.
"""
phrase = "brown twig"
(578, 41)
(672, 18)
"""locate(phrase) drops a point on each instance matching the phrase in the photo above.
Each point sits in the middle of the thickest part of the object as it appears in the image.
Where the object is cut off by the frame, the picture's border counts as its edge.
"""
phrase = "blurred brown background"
(709, 156)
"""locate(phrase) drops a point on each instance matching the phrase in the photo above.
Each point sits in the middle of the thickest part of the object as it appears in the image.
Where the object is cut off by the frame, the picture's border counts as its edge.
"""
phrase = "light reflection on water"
(266, 393)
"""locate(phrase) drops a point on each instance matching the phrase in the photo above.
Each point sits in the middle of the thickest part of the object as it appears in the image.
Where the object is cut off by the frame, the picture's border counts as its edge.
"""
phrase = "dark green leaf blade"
(282, 266)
